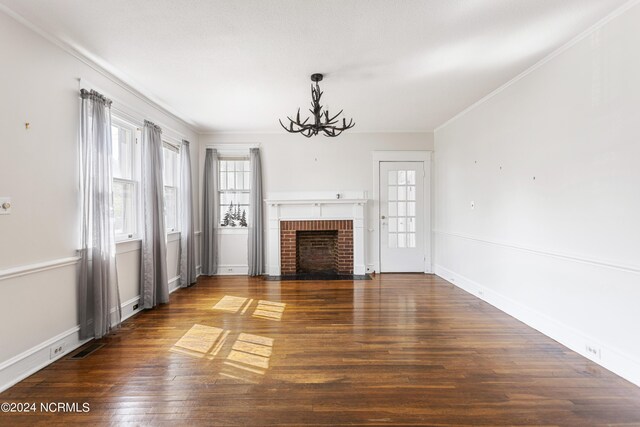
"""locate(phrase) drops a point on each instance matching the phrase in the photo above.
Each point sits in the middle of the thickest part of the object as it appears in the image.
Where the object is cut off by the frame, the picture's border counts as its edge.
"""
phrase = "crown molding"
(66, 47)
(599, 24)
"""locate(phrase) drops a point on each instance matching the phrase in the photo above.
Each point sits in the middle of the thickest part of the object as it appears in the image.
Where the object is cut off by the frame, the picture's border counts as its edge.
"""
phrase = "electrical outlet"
(57, 350)
(135, 306)
(592, 351)
(5, 205)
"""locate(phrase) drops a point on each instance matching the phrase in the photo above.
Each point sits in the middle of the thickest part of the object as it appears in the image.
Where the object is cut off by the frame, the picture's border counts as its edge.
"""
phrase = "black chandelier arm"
(291, 129)
(322, 120)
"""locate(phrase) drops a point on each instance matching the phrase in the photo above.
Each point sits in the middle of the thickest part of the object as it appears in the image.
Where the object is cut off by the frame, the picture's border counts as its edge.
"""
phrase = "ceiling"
(239, 65)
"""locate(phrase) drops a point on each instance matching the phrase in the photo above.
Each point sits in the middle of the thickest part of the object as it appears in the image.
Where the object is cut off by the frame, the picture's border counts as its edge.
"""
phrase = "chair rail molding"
(27, 269)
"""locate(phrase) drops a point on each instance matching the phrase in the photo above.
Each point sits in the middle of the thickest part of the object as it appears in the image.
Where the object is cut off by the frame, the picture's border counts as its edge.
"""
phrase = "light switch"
(5, 205)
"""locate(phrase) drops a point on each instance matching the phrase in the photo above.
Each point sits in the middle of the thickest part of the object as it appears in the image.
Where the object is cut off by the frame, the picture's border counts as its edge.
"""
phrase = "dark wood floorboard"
(397, 350)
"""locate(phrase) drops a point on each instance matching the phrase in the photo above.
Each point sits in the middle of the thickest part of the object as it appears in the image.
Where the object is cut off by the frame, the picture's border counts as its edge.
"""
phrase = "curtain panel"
(187, 232)
(98, 280)
(210, 214)
(256, 219)
(154, 284)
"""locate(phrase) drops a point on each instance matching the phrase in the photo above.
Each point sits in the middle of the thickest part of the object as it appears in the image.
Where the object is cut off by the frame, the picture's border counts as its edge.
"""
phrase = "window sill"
(133, 239)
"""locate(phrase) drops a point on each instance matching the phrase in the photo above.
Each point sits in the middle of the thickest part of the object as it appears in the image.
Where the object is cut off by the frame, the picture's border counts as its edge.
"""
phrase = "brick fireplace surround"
(288, 248)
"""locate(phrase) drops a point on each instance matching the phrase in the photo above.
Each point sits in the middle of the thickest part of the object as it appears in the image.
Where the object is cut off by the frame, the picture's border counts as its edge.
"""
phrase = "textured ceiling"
(239, 65)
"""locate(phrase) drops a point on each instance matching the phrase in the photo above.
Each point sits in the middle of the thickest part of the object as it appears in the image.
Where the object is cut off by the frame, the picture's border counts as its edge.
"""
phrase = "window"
(402, 209)
(234, 192)
(171, 180)
(125, 179)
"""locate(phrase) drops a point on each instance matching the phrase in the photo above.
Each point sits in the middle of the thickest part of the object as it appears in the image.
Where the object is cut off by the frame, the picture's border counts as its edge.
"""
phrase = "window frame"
(167, 145)
(121, 122)
(220, 191)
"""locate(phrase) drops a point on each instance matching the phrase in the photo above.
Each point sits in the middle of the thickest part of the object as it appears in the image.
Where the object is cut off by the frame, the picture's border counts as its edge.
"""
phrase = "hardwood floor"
(400, 349)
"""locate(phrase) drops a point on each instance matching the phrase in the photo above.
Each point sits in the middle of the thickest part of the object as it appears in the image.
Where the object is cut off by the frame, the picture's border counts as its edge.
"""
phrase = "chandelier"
(322, 121)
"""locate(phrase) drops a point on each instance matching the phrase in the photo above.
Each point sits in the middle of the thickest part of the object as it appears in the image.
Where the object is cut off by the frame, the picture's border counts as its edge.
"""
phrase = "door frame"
(403, 156)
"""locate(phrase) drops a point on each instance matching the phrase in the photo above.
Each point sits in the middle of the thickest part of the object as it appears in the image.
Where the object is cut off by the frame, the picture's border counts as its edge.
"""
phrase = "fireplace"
(316, 247)
(317, 252)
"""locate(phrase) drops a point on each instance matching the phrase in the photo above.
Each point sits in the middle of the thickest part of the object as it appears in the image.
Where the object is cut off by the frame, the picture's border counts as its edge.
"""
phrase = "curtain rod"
(131, 113)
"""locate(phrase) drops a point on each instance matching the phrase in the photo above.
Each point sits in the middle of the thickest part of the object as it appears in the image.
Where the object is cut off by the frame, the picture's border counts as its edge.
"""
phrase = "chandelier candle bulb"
(322, 120)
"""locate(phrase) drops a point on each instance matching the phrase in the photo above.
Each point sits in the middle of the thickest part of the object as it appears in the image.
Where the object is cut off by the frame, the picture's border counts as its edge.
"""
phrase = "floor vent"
(87, 351)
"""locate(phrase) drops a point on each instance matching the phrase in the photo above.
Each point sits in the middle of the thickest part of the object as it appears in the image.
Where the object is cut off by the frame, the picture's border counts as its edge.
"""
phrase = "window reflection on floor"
(249, 356)
(247, 359)
(201, 341)
(232, 304)
(269, 310)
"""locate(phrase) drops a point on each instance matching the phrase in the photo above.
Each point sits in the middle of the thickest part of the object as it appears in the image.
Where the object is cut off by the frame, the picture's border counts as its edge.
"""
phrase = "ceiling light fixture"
(322, 121)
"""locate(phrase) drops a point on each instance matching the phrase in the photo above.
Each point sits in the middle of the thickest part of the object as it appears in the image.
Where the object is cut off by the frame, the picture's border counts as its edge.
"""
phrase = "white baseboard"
(233, 270)
(31, 361)
(610, 358)
(174, 284)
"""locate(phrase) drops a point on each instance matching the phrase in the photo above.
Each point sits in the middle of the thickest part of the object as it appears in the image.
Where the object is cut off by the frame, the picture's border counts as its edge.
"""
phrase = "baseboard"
(609, 358)
(233, 270)
(31, 361)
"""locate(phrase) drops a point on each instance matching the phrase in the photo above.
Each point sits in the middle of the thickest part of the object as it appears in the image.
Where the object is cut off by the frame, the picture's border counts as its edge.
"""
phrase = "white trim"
(38, 357)
(234, 147)
(276, 202)
(403, 156)
(24, 270)
(230, 150)
(571, 257)
(233, 230)
(31, 361)
(610, 358)
(129, 245)
(93, 64)
(174, 284)
(233, 270)
(173, 236)
(586, 33)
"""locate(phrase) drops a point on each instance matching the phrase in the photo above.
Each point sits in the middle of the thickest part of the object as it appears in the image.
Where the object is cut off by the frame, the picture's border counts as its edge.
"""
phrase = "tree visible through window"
(234, 192)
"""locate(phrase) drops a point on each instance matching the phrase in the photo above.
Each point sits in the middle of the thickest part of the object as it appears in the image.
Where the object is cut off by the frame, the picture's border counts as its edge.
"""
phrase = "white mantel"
(317, 205)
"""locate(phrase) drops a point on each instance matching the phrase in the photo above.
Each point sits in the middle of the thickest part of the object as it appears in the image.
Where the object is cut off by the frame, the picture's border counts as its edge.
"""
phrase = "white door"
(402, 245)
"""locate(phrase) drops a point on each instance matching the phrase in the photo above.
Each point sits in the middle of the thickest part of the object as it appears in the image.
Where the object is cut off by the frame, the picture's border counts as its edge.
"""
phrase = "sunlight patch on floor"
(201, 341)
(269, 310)
(231, 304)
(249, 356)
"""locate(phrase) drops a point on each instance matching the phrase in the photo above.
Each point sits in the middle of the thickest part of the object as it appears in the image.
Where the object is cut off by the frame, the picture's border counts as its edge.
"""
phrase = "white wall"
(561, 251)
(38, 170)
(293, 163)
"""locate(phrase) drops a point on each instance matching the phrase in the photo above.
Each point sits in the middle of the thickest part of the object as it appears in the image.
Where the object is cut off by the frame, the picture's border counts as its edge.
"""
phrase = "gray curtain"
(211, 212)
(187, 232)
(98, 281)
(154, 284)
(256, 224)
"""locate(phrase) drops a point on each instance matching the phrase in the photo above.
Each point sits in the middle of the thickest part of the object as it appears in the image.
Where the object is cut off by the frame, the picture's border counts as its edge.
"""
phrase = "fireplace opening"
(317, 252)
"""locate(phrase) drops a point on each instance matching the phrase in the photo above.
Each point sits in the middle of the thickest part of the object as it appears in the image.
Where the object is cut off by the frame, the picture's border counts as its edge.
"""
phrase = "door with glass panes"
(402, 246)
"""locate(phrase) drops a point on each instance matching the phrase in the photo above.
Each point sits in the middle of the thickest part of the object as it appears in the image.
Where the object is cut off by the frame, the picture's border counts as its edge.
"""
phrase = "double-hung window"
(234, 191)
(171, 183)
(126, 179)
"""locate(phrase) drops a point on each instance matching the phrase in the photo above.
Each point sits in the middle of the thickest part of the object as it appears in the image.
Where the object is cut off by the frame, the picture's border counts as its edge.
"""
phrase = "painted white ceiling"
(239, 65)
